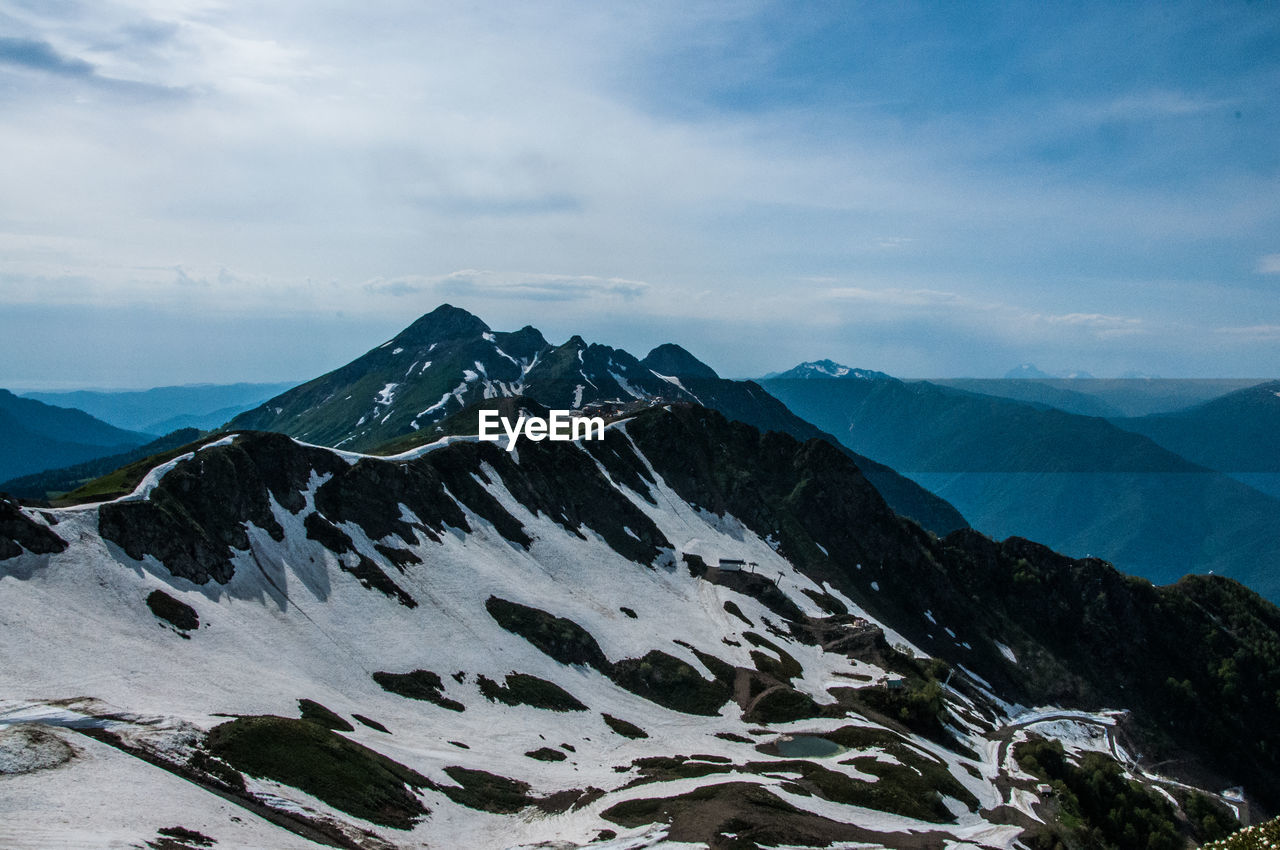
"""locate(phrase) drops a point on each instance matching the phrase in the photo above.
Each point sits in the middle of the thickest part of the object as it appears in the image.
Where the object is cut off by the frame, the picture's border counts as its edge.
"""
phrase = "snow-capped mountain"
(411, 389)
(829, 369)
(687, 634)
(444, 362)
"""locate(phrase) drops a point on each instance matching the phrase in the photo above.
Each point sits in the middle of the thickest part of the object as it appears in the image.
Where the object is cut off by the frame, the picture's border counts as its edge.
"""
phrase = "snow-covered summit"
(821, 369)
(443, 363)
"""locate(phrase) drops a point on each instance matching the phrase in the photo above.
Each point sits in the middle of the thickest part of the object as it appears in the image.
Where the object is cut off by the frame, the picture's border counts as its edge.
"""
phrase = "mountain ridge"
(1232, 433)
(150, 411)
(457, 362)
(490, 586)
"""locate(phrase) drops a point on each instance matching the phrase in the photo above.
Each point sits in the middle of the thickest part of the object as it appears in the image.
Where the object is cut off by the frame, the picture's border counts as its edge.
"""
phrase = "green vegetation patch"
(178, 614)
(668, 768)
(418, 684)
(784, 668)
(348, 776)
(918, 705)
(732, 607)
(561, 638)
(914, 787)
(623, 728)
(487, 792)
(671, 683)
(317, 713)
(1210, 819)
(657, 677)
(827, 602)
(735, 816)
(523, 689)
(1262, 836)
(372, 724)
(864, 738)
(1096, 804)
(124, 480)
(725, 673)
(782, 705)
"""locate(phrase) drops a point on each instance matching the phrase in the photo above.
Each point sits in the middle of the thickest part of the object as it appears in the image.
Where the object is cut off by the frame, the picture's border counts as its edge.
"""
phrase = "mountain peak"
(673, 361)
(444, 322)
(1027, 371)
(831, 369)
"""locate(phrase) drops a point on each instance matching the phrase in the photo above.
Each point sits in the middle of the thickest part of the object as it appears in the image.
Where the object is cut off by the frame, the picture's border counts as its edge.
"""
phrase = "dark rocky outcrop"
(195, 517)
(178, 614)
(19, 531)
(418, 684)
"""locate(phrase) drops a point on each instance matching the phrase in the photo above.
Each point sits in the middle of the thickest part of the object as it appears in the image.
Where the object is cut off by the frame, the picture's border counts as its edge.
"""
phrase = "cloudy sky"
(193, 190)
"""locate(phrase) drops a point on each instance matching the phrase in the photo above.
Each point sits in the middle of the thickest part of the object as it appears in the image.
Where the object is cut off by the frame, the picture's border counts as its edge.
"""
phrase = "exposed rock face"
(195, 518)
(196, 515)
(19, 531)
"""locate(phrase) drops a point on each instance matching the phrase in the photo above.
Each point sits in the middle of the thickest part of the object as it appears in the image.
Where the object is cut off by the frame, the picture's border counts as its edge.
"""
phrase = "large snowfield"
(81, 648)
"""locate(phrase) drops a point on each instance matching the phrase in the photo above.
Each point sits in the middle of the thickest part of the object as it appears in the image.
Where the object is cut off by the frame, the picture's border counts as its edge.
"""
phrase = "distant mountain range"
(401, 393)
(163, 409)
(35, 436)
(1079, 483)
(1236, 432)
(55, 483)
(824, 369)
(1109, 397)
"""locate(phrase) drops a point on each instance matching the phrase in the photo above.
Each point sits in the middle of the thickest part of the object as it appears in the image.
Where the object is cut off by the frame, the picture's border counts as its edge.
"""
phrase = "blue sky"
(213, 191)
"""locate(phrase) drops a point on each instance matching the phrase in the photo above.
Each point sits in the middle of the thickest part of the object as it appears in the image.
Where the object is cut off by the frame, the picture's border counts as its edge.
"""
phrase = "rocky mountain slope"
(1077, 483)
(402, 393)
(466, 647)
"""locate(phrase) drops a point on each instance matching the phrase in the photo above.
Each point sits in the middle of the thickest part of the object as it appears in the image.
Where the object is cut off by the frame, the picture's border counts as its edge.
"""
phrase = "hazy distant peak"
(1027, 370)
(831, 369)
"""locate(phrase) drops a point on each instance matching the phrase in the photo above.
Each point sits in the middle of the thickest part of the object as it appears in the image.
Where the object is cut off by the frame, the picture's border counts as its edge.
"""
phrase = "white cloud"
(1252, 332)
(514, 285)
(1003, 318)
(327, 153)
